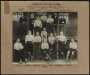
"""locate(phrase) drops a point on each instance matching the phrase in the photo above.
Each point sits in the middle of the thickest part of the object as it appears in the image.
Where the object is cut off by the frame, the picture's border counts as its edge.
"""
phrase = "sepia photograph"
(44, 37)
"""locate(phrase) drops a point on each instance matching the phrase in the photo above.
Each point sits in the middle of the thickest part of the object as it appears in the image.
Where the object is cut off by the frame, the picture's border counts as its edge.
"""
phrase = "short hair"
(17, 39)
(44, 28)
(61, 31)
(29, 31)
(51, 33)
(37, 32)
(72, 38)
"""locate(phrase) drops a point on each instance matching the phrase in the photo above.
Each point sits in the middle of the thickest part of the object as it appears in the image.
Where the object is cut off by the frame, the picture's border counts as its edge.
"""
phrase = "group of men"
(43, 42)
(44, 21)
(46, 45)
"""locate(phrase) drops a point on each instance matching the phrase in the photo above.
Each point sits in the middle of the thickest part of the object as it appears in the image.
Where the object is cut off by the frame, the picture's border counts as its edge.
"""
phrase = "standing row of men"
(44, 21)
(45, 44)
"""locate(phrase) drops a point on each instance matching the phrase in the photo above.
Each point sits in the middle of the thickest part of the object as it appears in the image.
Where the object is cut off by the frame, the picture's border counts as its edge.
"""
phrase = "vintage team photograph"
(45, 37)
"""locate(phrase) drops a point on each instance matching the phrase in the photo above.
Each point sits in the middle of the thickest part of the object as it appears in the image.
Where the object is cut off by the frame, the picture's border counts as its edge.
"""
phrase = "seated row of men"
(45, 44)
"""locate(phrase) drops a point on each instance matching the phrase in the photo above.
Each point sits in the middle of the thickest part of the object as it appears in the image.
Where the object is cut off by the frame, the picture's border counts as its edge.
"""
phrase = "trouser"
(62, 50)
(46, 54)
(44, 25)
(56, 49)
(18, 55)
(37, 29)
(50, 28)
(52, 51)
(29, 49)
(51, 46)
(72, 53)
(37, 46)
(22, 29)
(55, 29)
(31, 28)
(37, 50)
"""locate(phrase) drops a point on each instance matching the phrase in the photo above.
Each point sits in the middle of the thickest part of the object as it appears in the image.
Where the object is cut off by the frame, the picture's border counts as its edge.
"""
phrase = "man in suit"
(50, 26)
(43, 19)
(62, 20)
(55, 17)
(22, 19)
(31, 22)
(22, 25)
